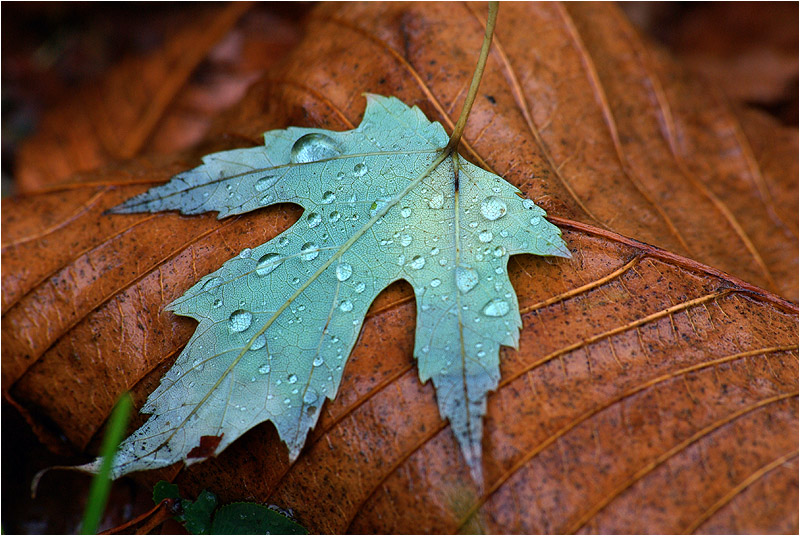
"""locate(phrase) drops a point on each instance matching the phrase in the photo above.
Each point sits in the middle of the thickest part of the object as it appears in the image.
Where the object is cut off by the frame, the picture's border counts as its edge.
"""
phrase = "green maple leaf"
(383, 202)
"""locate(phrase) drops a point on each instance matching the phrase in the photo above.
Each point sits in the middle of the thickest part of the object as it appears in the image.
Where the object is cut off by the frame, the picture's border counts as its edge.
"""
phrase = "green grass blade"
(101, 483)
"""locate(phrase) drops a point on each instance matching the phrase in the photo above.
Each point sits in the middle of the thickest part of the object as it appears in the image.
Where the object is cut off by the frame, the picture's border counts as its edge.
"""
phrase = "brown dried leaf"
(651, 393)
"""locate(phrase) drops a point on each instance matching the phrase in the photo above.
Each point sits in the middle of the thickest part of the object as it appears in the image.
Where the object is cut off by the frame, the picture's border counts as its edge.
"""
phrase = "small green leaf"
(197, 514)
(251, 518)
(165, 490)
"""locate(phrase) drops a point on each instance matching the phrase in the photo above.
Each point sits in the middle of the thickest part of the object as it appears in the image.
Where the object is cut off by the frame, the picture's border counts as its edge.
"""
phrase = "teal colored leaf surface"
(383, 202)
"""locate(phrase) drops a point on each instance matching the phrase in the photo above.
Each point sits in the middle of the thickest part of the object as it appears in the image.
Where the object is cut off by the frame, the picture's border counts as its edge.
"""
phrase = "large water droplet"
(319, 360)
(265, 182)
(466, 278)
(292, 378)
(313, 147)
(309, 251)
(266, 199)
(314, 220)
(405, 212)
(496, 307)
(406, 239)
(240, 320)
(360, 170)
(217, 304)
(334, 216)
(259, 342)
(485, 236)
(359, 287)
(499, 251)
(268, 263)
(493, 208)
(344, 271)
(436, 282)
(283, 241)
(346, 306)
(417, 262)
(328, 198)
(245, 253)
(436, 200)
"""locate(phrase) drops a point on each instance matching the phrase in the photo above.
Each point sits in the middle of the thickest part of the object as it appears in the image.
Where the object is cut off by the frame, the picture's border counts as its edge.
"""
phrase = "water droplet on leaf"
(466, 278)
(436, 201)
(344, 271)
(493, 208)
(314, 219)
(346, 306)
(259, 342)
(268, 263)
(417, 262)
(312, 148)
(309, 251)
(212, 284)
(310, 397)
(328, 198)
(240, 320)
(496, 307)
(265, 182)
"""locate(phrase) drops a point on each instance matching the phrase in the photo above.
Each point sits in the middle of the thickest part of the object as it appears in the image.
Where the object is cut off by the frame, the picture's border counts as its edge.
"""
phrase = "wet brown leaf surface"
(652, 392)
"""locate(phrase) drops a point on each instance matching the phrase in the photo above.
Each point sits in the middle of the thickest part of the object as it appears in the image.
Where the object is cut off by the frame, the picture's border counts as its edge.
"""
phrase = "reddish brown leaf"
(651, 392)
(206, 448)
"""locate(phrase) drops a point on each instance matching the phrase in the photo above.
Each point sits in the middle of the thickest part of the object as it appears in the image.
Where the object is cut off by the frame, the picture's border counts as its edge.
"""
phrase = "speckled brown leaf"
(651, 392)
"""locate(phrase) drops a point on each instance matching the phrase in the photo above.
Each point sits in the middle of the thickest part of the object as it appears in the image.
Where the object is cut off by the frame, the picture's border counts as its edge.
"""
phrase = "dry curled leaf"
(652, 392)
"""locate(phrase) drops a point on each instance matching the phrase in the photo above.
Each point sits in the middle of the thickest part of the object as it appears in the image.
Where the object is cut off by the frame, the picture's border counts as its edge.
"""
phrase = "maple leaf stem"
(458, 131)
